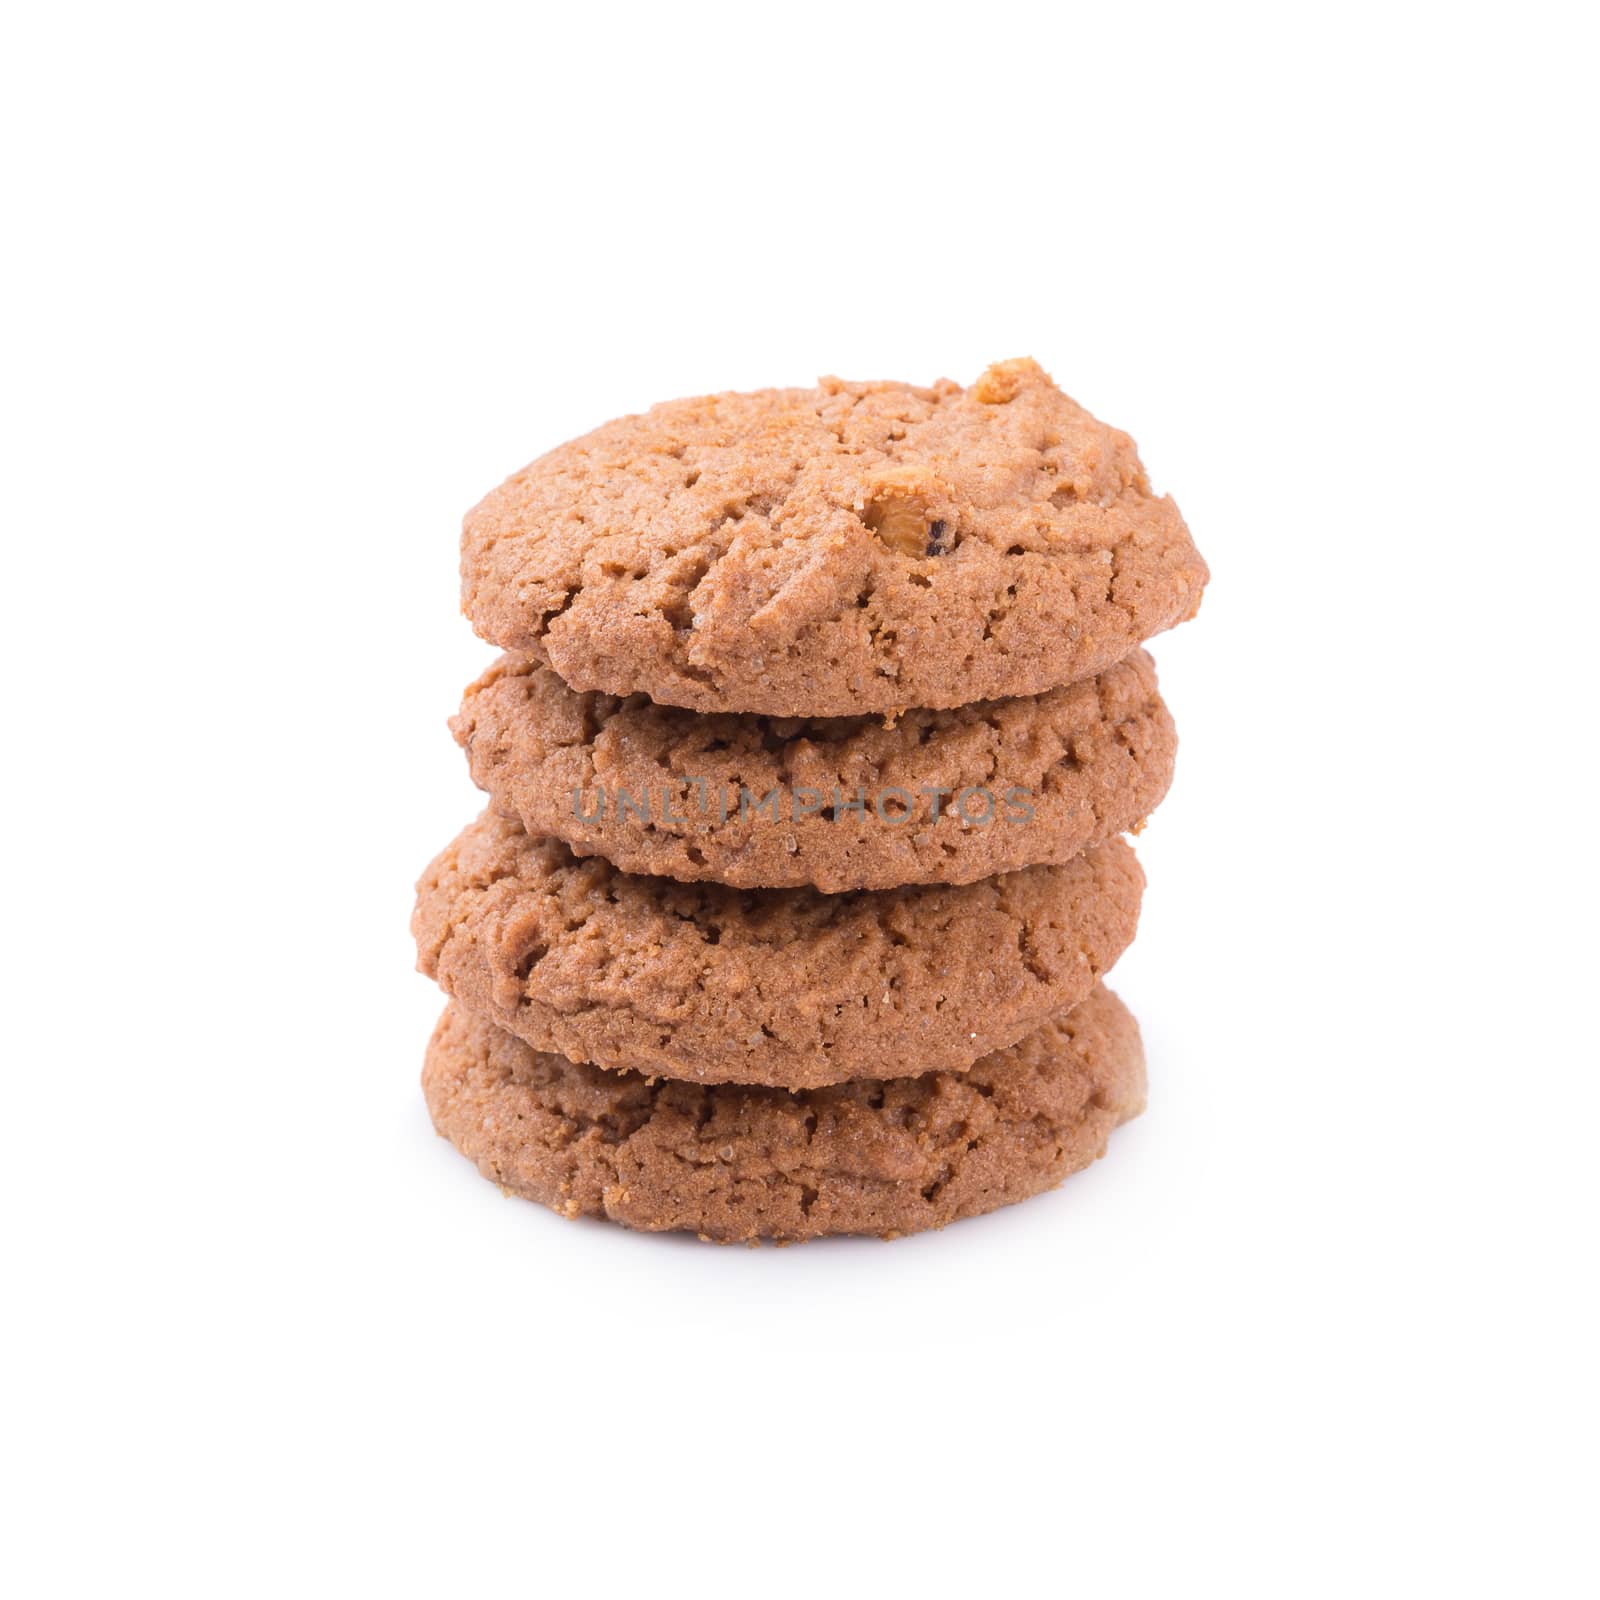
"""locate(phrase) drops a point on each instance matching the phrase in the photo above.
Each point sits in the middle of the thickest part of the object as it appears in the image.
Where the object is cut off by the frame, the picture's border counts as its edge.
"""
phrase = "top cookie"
(822, 552)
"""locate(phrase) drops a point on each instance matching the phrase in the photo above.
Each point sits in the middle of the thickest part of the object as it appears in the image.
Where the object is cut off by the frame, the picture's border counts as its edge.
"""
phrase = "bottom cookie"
(736, 1162)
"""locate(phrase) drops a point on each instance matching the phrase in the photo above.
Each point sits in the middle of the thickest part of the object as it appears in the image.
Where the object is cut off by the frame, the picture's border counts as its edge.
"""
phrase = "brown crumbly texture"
(1053, 774)
(833, 551)
(777, 986)
(733, 1163)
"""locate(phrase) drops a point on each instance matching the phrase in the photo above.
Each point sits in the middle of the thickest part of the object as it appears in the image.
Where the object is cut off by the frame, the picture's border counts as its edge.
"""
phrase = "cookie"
(778, 986)
(736, 1163)
(842, 803)
(833, 551)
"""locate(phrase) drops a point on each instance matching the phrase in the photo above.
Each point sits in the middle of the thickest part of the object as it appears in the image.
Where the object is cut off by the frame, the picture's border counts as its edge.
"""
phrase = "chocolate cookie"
(733, 1163)
(842, 803)
(777, 986)
(833, 551)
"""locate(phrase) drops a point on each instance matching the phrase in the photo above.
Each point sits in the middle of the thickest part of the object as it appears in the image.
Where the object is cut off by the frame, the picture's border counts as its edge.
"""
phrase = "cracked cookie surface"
(738, 1163)
(787, 987)
(657, 789)
(823, 552)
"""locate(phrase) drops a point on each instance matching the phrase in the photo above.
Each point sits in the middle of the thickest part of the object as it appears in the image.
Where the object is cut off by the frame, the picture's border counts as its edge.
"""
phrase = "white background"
(288, 289)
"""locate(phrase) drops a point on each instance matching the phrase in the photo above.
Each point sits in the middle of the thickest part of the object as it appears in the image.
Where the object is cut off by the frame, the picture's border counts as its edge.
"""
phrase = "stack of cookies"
(822, 717)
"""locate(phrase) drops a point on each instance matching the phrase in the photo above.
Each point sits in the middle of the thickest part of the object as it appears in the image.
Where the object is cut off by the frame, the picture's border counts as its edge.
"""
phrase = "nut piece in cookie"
(911, 512)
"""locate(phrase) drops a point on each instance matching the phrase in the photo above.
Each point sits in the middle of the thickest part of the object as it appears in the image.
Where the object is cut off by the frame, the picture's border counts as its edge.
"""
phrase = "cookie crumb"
(1004, 380)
